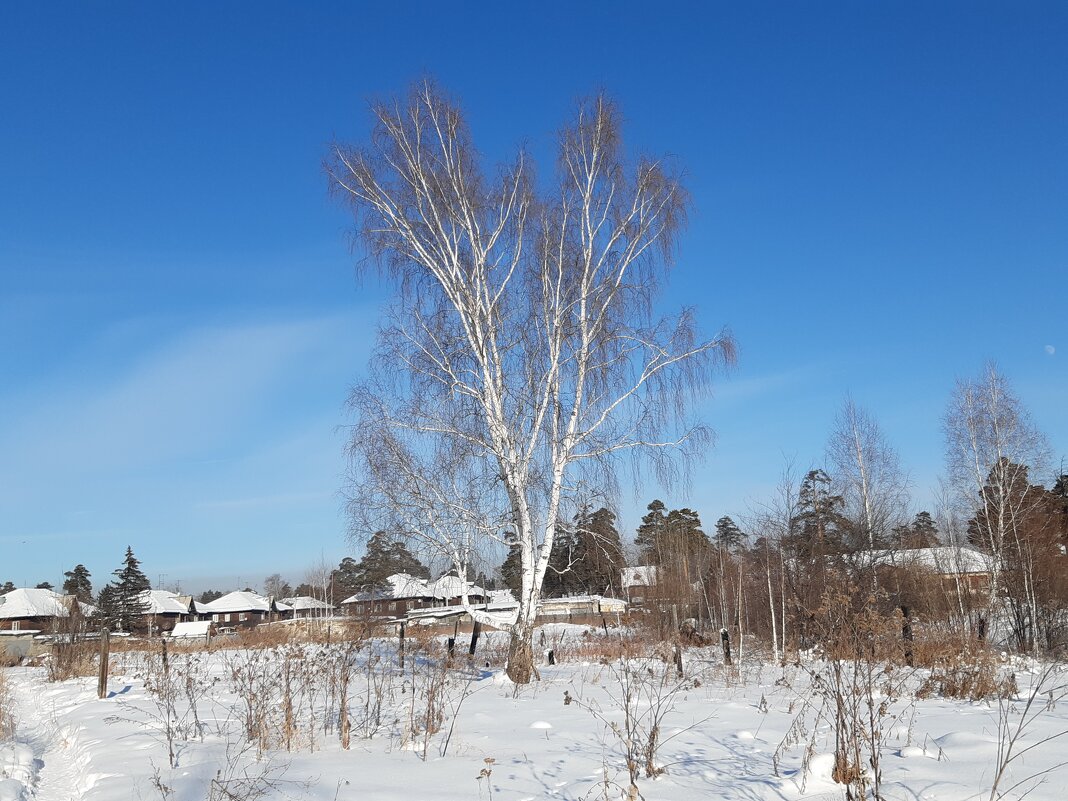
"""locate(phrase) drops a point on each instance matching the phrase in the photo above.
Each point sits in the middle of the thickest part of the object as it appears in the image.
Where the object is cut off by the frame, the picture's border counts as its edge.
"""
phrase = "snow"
(719, 740)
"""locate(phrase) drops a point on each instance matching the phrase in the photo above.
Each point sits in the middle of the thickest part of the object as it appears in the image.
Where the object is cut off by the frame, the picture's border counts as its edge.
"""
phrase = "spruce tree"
(77, 583)
(8, 587)
(129, 585)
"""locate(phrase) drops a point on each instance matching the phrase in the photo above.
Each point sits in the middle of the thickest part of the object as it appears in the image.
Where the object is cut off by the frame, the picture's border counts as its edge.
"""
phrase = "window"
(393, 605)
(215, 618)
(243, 616)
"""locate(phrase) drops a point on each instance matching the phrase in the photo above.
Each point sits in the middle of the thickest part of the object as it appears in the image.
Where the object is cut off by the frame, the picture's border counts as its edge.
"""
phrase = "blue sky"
(881, 197)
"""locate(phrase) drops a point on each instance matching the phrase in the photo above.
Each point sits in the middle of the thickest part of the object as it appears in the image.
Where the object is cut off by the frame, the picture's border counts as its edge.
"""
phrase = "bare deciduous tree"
(868, 472)
(522, 358)
(991, 445)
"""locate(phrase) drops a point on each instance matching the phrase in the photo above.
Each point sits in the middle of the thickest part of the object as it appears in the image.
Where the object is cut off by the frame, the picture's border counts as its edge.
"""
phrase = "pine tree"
(650, 533)
(77, 583)
(44, 585)
(385, 556)
(599, 552)
(129, 585)
(346, 578)
(820, 528)
(728, 535)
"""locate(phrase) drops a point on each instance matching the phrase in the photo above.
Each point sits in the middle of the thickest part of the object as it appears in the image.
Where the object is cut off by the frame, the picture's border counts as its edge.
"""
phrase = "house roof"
(240, 601)
(162, 602)
(302, 602)
(945, 559)
(403, 585)
(32, 602)
(453, 587)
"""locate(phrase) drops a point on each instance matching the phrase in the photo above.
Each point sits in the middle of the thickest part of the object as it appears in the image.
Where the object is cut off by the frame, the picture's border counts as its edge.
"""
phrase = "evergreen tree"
(728, 535)
(650, 533)
(8, 587)
(385, 556)
(598, 552)
(77, 583)
(510, 569)
(208, 596)
(560, 577)
(44, 585)
(921, 533)
(107, 606)
(129, 585)
(820, 527)
(346, 578)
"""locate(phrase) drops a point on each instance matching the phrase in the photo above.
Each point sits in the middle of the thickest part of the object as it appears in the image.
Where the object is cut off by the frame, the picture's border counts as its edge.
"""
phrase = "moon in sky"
(1050, 350)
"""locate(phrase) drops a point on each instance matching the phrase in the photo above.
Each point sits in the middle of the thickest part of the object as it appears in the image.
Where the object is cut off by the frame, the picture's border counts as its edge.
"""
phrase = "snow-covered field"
(559, 738)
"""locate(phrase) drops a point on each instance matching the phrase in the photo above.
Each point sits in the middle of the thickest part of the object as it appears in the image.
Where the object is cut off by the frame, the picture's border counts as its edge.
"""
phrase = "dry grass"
(7, 713)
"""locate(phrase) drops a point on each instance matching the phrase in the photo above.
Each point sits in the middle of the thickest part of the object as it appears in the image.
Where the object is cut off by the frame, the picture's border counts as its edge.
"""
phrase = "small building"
(304, 606)
(639, 583)
(39, 610)
(244, 610)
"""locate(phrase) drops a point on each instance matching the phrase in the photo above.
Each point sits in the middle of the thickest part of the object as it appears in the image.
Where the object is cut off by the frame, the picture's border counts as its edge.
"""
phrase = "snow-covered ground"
(559, 738)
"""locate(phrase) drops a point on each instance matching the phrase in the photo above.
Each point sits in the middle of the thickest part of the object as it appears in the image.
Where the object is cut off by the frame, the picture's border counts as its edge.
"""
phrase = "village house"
(304, 606)
(38, 610)
(164, 609)
(243, 609)
(406, 592)
(639, 584)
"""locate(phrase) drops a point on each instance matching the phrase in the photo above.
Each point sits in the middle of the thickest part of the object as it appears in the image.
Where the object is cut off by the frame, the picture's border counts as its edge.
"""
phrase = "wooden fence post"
(400, 647)
(476, 629)
(102, 681)
(725, 639)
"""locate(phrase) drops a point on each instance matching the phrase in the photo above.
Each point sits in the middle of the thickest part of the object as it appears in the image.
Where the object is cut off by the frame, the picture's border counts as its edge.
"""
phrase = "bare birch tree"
(868, 473)
(522, 359)
(991, 445)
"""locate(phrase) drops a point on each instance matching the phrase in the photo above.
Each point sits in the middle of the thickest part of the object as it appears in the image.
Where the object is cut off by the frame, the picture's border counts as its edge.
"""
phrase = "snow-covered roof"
(239, 601)
(403, 585)
(32, 602)
(194, 628)
(163, 602)
(453, 587)
(501, 597)
(302, 602)
(640, 576)
(945, 559)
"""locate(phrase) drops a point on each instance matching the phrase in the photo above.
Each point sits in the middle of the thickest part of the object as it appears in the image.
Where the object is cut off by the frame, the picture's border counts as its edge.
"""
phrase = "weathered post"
(102, 681)
(450, 645)
(400, 646)
(476, 629)
(552, 657)
(678, 661)
(725, 639)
